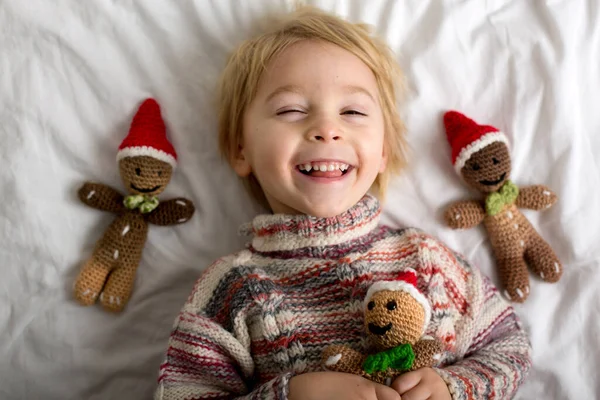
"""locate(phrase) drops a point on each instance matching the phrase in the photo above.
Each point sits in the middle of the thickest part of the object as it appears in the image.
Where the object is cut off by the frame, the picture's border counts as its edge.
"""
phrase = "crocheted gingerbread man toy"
(480, 154)
(396, 315)
(146, 162)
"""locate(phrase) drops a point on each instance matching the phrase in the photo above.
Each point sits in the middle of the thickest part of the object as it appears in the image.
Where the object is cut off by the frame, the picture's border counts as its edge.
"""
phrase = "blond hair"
(240, 79)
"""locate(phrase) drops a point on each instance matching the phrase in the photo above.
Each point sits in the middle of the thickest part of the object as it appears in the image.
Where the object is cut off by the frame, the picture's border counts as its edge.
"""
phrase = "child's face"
(317, 106)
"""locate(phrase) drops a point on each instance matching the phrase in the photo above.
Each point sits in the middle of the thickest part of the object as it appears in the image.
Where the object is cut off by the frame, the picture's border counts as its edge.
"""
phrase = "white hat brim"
(477, 145)
(147, 151)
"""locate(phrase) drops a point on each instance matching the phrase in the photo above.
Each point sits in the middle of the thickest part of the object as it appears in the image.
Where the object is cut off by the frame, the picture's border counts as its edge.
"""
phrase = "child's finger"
(407, 381)
(419, 392)
(385, 393)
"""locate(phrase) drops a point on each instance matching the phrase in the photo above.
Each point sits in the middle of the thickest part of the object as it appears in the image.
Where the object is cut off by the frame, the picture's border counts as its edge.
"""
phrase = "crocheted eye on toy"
(146, 162)
(480, 154)
(396, 316)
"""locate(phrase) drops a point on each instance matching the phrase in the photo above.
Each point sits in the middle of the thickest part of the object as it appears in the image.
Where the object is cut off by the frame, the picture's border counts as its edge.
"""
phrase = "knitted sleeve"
(208, 356)
(489, 352)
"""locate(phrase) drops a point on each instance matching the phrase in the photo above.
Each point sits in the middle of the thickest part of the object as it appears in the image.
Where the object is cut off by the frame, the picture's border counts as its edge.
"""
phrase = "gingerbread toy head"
(480, 153)
(146, 157)
(396, 312)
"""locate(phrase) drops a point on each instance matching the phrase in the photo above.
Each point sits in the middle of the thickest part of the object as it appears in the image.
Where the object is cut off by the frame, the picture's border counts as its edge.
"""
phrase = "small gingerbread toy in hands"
(396, 315)
(481, 156)
(146, 161)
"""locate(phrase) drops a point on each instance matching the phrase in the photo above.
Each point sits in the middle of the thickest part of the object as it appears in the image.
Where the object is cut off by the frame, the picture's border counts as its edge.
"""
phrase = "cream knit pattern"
(260, 316)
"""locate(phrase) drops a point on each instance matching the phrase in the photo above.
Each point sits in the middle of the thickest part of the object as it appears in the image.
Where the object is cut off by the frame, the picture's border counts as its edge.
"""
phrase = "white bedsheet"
(72, 73)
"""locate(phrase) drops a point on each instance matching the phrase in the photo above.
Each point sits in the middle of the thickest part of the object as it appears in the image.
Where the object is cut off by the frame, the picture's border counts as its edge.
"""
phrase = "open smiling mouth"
(325, 169)
(493, 183)
(379, 330)
(145, 190)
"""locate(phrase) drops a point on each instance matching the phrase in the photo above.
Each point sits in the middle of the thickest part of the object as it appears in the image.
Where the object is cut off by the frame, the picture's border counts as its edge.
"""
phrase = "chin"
(327, 210)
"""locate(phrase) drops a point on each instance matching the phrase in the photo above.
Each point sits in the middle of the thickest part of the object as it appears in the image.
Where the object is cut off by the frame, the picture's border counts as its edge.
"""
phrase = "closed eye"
(289, 112)
(354, 112)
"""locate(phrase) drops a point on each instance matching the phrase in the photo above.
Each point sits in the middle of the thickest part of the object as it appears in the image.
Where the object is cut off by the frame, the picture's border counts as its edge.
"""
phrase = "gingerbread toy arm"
(341, 358)
(537, 197)
(464, 214)
(428, 352)
(101, 197)
(172, 212)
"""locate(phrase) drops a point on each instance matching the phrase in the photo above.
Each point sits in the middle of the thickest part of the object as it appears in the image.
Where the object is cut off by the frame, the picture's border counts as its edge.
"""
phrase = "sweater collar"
(281, 232)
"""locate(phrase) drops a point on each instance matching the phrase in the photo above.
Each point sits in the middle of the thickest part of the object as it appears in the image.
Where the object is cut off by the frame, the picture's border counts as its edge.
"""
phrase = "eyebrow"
(348, 89)
(351, 89)
(284, 89)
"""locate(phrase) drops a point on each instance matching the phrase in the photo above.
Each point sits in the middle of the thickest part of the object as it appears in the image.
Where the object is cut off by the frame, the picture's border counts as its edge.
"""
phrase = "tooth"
(307, 167)
(330, 167)
(323, 168)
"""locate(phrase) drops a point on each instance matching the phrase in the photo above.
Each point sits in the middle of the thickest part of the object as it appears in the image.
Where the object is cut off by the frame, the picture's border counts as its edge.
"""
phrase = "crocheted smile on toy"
(396, 316)
(146, 161)
(481, 156)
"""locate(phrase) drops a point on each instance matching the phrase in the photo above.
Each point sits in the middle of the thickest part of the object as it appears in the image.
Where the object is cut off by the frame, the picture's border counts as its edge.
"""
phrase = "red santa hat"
(148, 136)
(406, 281)
(466, 137)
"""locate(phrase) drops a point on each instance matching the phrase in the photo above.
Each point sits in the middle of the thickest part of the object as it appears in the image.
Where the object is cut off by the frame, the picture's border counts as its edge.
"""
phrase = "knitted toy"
(481, 156)
(396, 315)
(146, 161)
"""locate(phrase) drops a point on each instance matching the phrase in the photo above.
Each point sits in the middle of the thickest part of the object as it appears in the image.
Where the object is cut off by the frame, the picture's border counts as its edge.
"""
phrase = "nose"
(324, 130)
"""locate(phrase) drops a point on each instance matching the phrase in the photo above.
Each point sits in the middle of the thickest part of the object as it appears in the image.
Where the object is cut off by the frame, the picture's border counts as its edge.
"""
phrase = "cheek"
(372, 154)
(269, 147)
(373, 141)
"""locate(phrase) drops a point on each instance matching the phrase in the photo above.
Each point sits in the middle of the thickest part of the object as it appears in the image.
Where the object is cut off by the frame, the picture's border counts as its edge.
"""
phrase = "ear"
(384, 160)
(241, 165)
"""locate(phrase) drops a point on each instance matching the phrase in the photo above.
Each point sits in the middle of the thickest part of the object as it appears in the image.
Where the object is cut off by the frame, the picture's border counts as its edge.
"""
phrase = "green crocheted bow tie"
(400, 358)
(146, 204)
(507, 194)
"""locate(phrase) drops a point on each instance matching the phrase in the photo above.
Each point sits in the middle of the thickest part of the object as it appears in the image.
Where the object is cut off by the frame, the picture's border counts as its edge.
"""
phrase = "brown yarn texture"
(109, 274)
(490, 164)
(145, 173)
(516, 244)
(407, 321)
(425, 353)
(465, 214)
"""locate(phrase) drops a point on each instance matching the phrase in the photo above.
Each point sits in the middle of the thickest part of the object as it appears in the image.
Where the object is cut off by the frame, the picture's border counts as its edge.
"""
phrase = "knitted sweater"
(258, 317)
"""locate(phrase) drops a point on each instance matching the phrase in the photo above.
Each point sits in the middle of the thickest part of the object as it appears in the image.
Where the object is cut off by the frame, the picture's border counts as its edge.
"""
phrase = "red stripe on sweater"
(266, 347)
(196, 342)
(307, 225)
(481, 336)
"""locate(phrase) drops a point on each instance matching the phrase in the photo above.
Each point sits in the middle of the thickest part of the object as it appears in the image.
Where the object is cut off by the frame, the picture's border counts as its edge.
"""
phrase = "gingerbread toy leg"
(118, 288)
(542, 260)
(514, 277)
(90, 280)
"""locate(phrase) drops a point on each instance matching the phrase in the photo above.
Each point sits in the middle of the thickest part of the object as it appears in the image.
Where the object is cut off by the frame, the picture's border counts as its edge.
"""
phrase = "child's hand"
(422, 384)
(337, 385)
